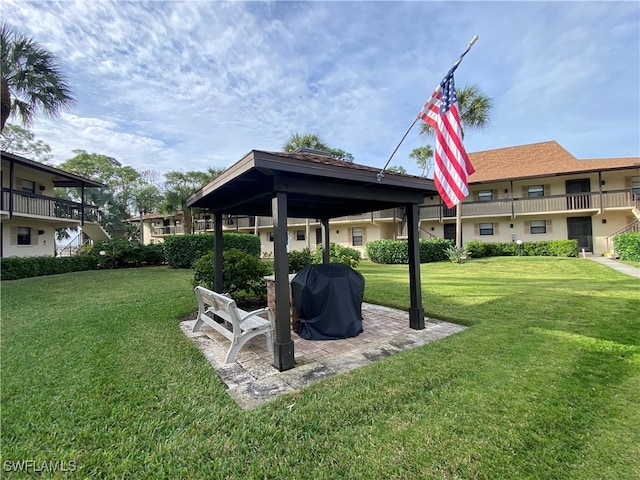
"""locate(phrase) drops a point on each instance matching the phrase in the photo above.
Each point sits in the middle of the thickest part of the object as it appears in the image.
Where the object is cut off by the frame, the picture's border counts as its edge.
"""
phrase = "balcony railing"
(590, 201)
(30, 204)
(167, 230)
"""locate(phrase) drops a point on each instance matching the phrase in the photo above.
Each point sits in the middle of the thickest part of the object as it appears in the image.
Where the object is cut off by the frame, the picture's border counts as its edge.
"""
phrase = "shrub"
(14, 268)
(338, 254)
(242, 273)
(552, 248)
(299, 259)
(627, 246)
(456, 254)
(397, 251)
(434, 249)
(182, 250)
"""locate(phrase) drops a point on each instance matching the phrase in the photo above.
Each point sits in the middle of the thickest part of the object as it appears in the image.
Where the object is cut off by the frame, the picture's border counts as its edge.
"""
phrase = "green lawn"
(545, 384)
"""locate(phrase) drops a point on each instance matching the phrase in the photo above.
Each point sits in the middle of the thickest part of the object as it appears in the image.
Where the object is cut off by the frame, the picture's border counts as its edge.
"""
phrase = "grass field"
(544, 384)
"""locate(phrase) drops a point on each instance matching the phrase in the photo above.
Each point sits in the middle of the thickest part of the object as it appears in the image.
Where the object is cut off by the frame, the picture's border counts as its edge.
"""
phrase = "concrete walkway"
(619, 266)
(252, 379)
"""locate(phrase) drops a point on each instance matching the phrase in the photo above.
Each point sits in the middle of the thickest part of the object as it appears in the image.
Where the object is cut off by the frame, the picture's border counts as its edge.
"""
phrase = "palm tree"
(314, 142)
(31, 81)
(474, 108)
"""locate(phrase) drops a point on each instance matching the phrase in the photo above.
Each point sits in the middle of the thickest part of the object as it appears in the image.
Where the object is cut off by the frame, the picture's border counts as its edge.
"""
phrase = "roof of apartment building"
(538, 160)
(60, 178)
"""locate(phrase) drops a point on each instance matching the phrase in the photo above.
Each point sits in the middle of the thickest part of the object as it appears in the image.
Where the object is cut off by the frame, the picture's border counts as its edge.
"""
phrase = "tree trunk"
(5, 100)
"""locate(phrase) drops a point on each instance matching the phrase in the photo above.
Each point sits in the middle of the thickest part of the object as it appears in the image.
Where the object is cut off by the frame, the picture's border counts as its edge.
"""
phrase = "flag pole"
(380, 174)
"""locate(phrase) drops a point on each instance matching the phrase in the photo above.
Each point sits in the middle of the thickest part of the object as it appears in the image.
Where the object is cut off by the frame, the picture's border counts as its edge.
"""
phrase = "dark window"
(486, 229)
(635, 186)
(357, 236)
(535, 191)
(24, 236)
(28, 186)
(300, 235)
(271, 236)
(485, 195)
(538, 226)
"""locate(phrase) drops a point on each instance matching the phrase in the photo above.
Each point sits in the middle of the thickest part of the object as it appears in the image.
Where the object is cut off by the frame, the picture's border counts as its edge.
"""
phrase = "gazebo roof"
(317, 186)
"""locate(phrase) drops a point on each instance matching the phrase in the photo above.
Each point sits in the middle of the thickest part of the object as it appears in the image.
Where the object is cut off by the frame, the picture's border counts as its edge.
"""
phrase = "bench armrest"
(266, 310)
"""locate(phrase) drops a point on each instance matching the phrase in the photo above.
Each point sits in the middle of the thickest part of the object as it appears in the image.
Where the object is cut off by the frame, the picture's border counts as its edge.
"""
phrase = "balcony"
(590, 202)
(29, 204)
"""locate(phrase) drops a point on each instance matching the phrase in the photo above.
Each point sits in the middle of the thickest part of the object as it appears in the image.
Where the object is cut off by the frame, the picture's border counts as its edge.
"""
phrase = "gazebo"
(313, 185)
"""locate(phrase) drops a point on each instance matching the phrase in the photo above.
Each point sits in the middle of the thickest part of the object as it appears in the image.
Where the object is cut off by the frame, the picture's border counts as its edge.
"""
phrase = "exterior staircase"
(95, 232)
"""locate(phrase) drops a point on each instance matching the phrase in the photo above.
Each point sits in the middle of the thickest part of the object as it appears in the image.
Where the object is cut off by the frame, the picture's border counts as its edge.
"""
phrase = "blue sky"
(186, 85)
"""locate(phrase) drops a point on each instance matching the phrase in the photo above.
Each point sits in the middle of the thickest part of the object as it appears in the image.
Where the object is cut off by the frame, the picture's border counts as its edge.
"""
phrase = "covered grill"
(328, 300)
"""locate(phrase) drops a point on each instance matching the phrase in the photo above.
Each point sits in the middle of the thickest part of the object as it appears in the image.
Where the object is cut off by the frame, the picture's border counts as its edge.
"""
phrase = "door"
(450, 231)
(579, 228)
(318, 236)
(575, 201)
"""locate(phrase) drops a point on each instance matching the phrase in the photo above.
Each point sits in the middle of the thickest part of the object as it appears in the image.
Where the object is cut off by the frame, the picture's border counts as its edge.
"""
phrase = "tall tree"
(115, 202)
(147, 198)
(314, 142)
(18, 140)
(422, 156)
(31, 80)
(179, 186)
(474, 108)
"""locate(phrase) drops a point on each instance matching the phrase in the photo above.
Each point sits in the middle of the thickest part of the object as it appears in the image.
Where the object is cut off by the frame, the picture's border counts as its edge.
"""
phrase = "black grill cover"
(328, 299)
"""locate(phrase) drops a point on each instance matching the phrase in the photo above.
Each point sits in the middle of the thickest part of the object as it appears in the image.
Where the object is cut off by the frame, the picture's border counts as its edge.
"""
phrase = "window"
(486, 229)
(28, 186)
(635, 186)
(357, 236)
(300, 235)
(538, 226)
(24, 236)
(535, 191)
(271, 236)
(485, 195)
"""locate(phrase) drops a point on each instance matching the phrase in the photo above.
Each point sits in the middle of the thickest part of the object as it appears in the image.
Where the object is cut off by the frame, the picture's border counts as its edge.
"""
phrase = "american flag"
(452, 165)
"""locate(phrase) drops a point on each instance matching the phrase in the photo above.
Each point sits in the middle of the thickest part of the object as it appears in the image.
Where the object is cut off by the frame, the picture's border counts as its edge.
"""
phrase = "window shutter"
(525, 192)
(14, 236)
(527, 227)
(476, 229)
(476, 196)
(547, 190)
(350, 232)
(364, 236)
(496, 229)
(494, 194)
(549, 227)
(34, 236)
(627, 182)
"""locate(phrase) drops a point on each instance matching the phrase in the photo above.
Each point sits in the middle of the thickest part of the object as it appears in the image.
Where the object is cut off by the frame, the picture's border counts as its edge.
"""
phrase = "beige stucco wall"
(42, 244)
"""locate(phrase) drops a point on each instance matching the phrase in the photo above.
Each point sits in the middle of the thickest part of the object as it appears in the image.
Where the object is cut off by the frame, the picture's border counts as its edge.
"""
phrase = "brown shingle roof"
(537, 160)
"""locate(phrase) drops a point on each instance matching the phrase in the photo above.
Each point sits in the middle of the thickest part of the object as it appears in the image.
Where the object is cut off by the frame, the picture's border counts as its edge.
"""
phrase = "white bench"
(245, 325)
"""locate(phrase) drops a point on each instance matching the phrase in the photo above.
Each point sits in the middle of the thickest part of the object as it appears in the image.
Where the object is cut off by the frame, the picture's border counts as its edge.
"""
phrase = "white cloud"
(175, 85)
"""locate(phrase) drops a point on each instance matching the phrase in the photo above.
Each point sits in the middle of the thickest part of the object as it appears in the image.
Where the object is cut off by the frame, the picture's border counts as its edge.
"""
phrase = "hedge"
(627, 246)
(14, 268)
(551, 248)
(182, 250)
(397, 251)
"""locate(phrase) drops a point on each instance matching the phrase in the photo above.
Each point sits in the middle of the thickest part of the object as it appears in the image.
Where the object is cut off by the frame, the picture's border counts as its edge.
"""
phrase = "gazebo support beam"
(416, 312)
(218, 280)
(283, 354)
(324, 223)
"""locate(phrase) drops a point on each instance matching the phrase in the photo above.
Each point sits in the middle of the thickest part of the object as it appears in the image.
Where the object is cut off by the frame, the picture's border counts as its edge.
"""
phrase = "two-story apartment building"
(30, 212)
(528, 192)
(542, 192)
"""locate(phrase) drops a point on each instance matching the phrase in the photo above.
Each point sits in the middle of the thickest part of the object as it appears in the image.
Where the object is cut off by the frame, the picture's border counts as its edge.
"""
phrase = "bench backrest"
(221, 305)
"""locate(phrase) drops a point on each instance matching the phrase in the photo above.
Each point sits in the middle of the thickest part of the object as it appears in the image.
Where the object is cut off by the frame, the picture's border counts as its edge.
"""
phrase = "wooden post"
(416, 312)
(324, 222)
(283, 354)
(218, 282)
